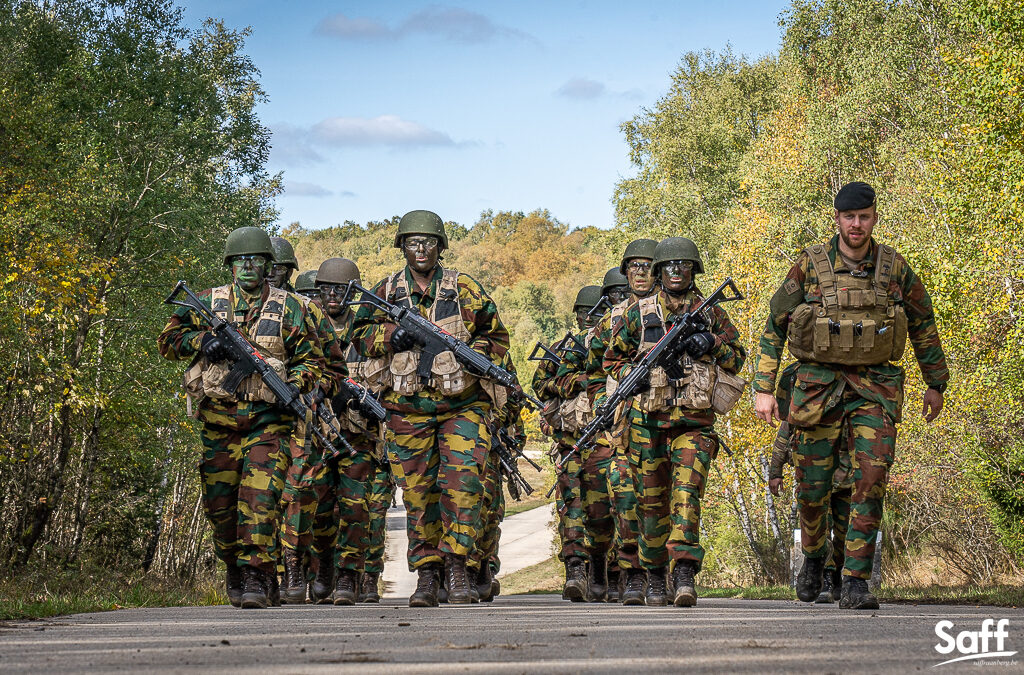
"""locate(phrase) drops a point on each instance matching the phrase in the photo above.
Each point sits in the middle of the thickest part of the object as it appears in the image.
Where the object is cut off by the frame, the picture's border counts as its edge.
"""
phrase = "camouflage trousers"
(299, 499)
(627, 527)
(342, 521)
(569, 503)
(242, 471)
(670, 469)
(438, 460)
(869, 435)
(378, 500)
(598, 514)
(839, 522)
(492, 512)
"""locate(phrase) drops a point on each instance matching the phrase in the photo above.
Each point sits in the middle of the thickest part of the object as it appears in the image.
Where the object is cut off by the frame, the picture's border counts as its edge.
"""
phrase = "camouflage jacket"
(544, 386)
(183, 334)
(819, 386)
(624, 348)
(372, 333)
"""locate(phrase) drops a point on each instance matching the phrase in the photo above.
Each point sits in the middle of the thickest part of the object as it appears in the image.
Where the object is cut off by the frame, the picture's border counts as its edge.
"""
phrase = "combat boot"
(575, 588)
(483, 583)
(633, 591)
(274, 590)
(685, 594)
(855, 595)
(345, 587)
(254, 588)
(458, 581)
(598, 578)
(294, 591)
(830, 587)
(495, 584)
(426, 587)
(614, 586)
(837, 583)
(808, 582)
(323, 582)
(370, 593)
(657, 594)
(233, 582)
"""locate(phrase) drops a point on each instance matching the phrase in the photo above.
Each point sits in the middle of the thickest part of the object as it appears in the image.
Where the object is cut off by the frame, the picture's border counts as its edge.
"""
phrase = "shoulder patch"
(789, 295)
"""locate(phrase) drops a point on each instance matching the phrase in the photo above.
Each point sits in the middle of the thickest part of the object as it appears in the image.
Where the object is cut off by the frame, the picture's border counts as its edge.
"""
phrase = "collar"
(838, 264)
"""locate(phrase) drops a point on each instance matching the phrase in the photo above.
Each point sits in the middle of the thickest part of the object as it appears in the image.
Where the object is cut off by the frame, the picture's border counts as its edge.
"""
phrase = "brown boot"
(575, 588)
(370, 592)
(345, 587)
(254, 588)
(686, 589)
(657, 593)
(457, 581)
(633, 591)
(614, 586)
(323, 582)
(426, 587)
(294, 587)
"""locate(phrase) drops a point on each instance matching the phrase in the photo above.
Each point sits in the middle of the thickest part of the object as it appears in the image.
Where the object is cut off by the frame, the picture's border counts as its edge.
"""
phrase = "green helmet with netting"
(421, 222)
(640, 248)
(677, 248)
(337, 271)
(613, 277)
(305, 282)
(248, 241)
(587, 298)
(284, 254)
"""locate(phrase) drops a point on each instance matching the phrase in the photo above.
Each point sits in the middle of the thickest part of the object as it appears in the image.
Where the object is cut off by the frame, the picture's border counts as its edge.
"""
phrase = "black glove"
(402, 340)
(699, 344)
(318, 395)
(213, 348)
(343, 400)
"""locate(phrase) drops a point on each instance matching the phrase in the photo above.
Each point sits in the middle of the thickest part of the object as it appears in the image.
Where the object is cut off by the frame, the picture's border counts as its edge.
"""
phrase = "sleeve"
(489, 336)
(181, 337)
(571, 377)
(624, 344)
(334, 347)
(729, 352)
(923, 332)
(772, 344)
(544, 378)
(371, 329)
(597, 379)
(305, 355)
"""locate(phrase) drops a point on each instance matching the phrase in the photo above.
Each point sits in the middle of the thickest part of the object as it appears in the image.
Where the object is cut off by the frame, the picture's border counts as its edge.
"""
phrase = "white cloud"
(358, 28)
(290, 146)
(300, 189)
(448, 23)
(389, 130)
(581, 88)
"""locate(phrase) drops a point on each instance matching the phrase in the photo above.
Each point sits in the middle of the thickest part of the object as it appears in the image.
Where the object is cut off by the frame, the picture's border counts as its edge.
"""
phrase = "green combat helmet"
(640, 248)
(612, 278)
(421, 222)
(587, 298)
(284, 254)
(305, 282)
(677, 248)
(337, 271)
(248, 241)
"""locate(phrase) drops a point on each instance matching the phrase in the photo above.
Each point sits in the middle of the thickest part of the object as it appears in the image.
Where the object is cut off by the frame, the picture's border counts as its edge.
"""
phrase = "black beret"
(854, 196)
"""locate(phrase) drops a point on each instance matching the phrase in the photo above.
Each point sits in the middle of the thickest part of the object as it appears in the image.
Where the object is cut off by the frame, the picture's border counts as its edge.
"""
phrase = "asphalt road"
(517, 634)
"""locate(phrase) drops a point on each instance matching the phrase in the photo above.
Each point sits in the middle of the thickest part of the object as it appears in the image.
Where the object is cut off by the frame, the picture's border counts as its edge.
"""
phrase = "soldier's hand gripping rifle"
(248, 361)
(434, 341)
(666, 353)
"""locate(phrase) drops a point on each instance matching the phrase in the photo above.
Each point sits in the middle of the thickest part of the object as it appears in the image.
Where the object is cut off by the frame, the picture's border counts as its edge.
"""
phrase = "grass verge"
(41, 594)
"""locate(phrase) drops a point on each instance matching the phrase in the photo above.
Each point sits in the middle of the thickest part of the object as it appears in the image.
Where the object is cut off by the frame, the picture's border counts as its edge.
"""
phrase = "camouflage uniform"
(437, 443)
(671, 450)
(568, 490)
(378, 499)
(246, 442)
(856, 406)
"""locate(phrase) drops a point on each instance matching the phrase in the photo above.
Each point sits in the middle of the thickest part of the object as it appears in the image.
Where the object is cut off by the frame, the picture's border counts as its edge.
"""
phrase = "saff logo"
(973, 644)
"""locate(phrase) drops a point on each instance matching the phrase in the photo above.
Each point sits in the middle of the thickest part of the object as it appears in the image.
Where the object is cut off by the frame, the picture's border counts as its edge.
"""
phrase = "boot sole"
(824, 598)
(421, 602)
(657, 602)
(573, 593)
(634, 602)
(344, 600)
(294, 597)
(254, 601)
(371, 599)
(685, 600)
(859, 605)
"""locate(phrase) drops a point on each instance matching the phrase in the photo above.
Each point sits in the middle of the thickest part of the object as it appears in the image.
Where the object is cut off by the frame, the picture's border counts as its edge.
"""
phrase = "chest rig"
(575, 413)
(689, 386)
(412, 371)
(856, 321)
(205, 379)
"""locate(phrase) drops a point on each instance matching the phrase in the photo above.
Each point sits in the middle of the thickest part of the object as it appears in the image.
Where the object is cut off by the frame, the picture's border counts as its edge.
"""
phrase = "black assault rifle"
(248, 361)
(666, 353)
(508, 452)
(568, 344)
(435, 341)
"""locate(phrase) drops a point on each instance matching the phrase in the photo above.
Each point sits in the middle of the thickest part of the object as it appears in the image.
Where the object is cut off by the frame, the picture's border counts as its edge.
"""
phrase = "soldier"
(636, 267)
(842, 488)
(672, 438)
(437, 437)
(560, 419)
(284, 264)
(305, 285)
(245, 435)
(846, 308)
(342, 539)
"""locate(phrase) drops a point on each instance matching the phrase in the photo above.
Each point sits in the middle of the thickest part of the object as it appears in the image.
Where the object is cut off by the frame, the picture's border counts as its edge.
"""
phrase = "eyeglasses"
(279, 268)
(256, 260)
(426, 243)
(677, 266)
(638, 266)
(338, 290)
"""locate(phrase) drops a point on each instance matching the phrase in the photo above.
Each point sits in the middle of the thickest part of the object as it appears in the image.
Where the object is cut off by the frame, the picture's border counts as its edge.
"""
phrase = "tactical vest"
(702, 385)
(446, 374)
(204, 379)
(856, 321)
(575, 413)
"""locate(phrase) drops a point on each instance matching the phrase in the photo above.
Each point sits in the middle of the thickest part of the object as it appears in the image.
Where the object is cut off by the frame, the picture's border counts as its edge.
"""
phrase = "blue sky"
(378, 108)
